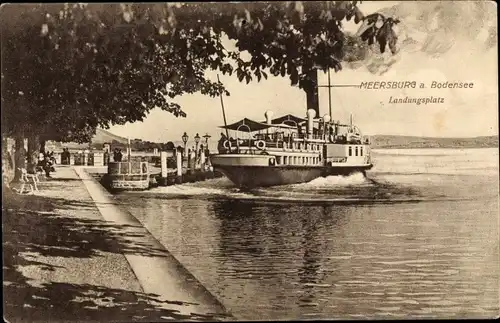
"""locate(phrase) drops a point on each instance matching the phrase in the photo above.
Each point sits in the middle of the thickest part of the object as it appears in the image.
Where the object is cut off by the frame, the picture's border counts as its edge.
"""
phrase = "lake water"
(418, 238)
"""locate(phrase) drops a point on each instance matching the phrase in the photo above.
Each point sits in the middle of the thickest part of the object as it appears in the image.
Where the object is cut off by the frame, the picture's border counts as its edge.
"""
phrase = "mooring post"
(164, 170)
(179, 167)
(202, 160)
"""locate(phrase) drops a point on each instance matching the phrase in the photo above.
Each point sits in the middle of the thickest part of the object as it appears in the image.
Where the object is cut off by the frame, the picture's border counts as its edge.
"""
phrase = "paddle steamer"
(290, 150)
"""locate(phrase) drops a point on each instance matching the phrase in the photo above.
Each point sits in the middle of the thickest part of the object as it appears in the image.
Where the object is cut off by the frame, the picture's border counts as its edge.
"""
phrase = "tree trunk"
(33, 149)
(42, 145)
(312, 91)
(19, 157)
(4, 142)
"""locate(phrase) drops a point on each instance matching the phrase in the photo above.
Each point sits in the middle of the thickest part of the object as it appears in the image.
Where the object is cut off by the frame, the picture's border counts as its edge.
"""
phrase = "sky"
(464, 113)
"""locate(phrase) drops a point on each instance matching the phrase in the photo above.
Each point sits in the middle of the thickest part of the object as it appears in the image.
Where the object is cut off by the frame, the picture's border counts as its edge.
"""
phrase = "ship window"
(361, 151)
(356, 150)
(350, 151)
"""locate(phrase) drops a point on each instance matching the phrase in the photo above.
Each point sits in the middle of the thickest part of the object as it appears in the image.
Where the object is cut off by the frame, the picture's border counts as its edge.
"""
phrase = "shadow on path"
(51, 234)
(63, 301)
(38, 226)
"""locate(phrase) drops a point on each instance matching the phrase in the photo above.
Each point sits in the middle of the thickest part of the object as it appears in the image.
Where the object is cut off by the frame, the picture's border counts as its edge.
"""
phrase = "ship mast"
(223, 110)
(329, 95)
(330, 86)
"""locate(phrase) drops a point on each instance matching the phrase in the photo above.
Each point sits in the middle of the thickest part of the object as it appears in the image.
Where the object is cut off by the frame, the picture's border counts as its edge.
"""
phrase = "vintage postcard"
(237, 161)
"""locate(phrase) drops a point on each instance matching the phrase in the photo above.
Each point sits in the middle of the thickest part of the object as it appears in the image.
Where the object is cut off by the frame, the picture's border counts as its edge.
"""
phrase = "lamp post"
(185, 138)
(207, 136)
(197, 141)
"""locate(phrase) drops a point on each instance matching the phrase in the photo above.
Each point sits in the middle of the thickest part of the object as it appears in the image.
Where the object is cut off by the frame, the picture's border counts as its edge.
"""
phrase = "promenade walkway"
(64, 261)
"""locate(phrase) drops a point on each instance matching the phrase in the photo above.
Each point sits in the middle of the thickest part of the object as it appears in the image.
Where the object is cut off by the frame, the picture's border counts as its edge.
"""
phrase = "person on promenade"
(47, 165)
(52, 158)
(63, 157)
(67, 156)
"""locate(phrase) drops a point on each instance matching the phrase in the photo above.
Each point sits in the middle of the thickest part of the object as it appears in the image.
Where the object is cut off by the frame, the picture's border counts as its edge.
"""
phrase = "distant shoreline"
(377, 142)
(404, 147)
(411, 142)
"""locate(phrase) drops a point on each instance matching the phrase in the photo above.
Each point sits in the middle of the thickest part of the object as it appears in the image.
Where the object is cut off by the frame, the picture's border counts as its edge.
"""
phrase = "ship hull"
(265, 176)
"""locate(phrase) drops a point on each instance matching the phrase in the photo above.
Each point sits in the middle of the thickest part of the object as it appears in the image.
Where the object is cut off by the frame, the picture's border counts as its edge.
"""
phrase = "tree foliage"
(291, 38)
(81, 68)
(68, 69)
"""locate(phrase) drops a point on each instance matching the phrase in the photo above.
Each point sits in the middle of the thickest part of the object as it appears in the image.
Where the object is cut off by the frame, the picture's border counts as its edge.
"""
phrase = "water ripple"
(414, 240)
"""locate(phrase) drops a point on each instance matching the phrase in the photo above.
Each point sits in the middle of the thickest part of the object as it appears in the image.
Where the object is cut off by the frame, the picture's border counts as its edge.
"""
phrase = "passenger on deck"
(220, 144)
(117, 155)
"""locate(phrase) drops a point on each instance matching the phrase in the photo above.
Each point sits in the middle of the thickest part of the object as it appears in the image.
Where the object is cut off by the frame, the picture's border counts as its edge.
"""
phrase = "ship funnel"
(310, 117)
(269, 116)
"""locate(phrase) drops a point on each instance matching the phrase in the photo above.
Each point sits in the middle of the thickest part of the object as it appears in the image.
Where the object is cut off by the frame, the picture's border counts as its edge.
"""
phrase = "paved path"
(64, 261)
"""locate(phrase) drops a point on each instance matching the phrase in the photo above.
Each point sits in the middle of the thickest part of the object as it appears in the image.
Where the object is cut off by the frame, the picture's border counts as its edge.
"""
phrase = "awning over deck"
(288, 119)
(248, 125)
